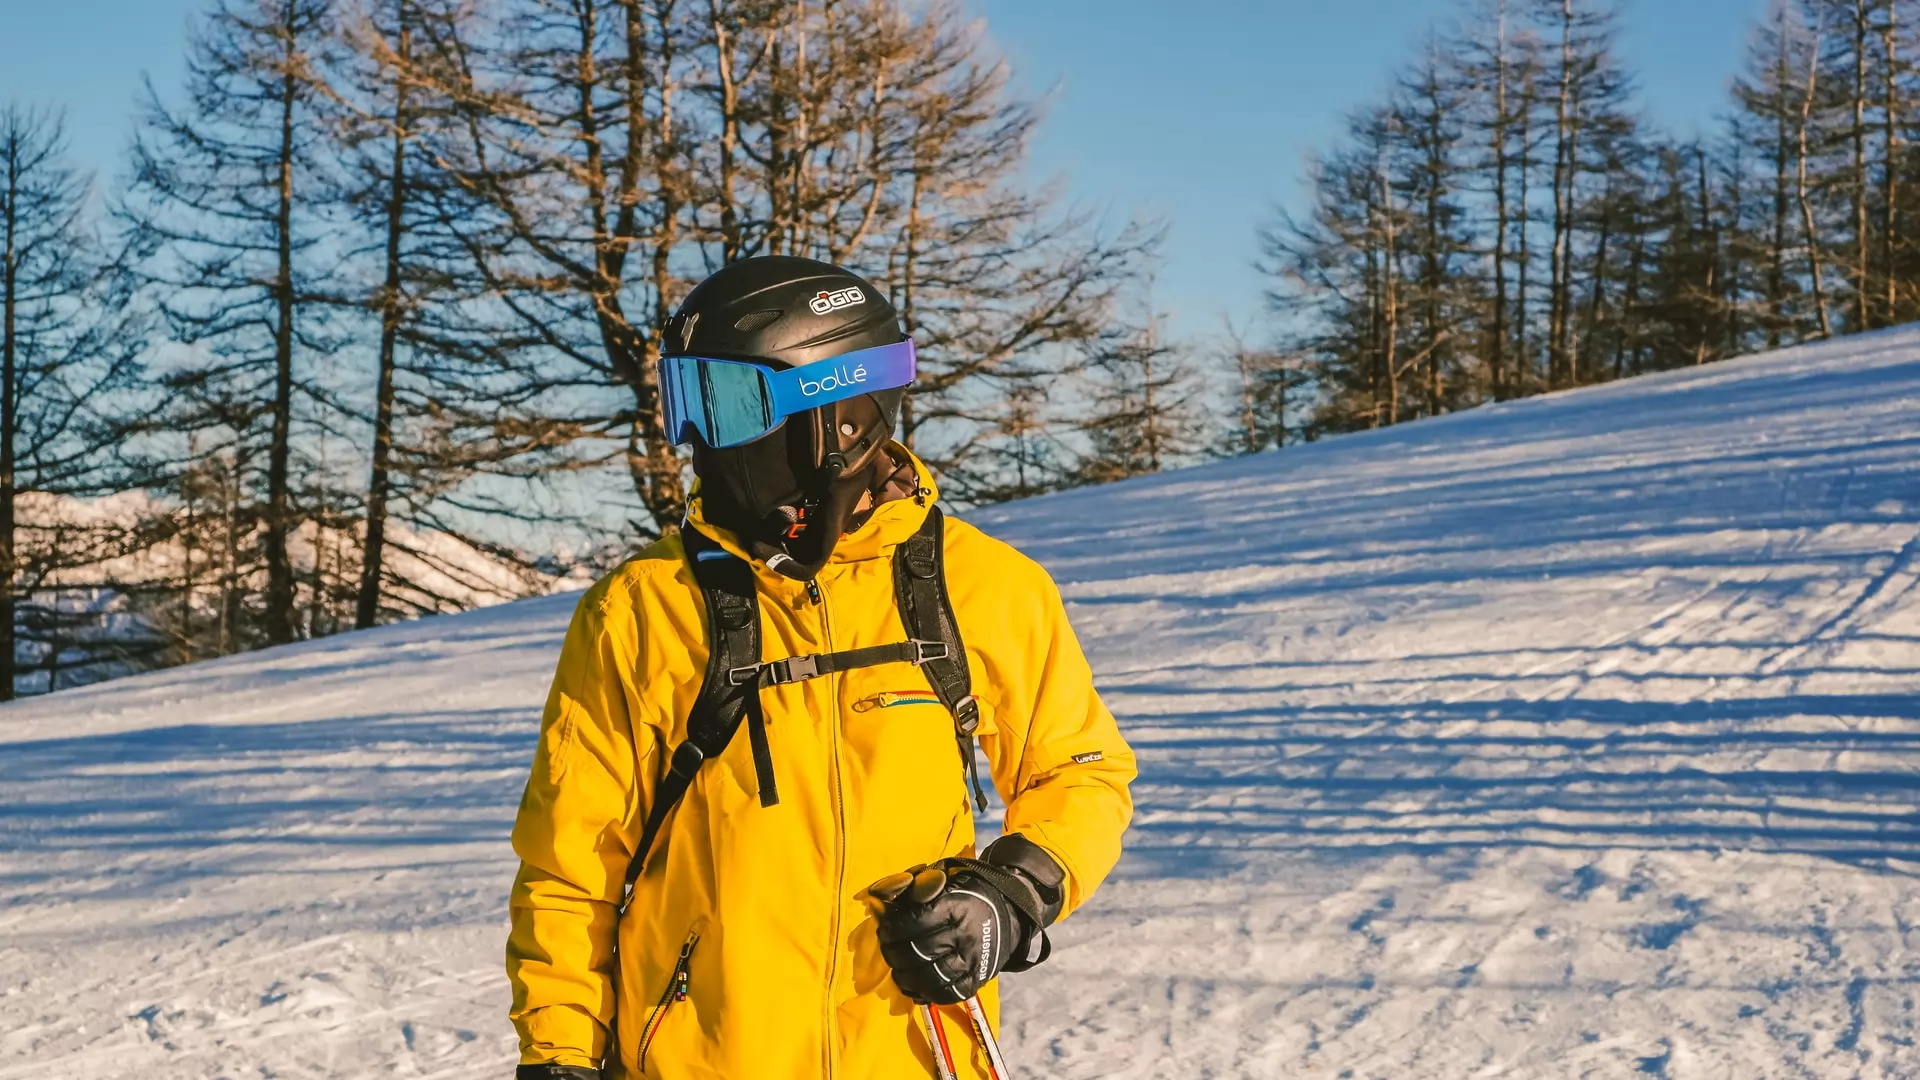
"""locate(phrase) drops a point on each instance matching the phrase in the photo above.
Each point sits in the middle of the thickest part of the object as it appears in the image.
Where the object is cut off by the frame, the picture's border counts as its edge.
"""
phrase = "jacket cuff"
(1031, 861)
(561, 1035)
(1033, 867)
(555, 1072)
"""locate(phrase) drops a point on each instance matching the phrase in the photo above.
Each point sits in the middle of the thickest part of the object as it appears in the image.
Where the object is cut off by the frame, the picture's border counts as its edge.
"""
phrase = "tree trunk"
(1152, 432)
(1522, 355)
(612, 211)
(1249, 422)
(367, 606)
(1709, 286)
(1374, 343)
(731, 244)
(1890, 155)
(1281, 378)
(908, 317)
(279, 606)
(1390, 275)
(228, 639)
(9, 411)
(1596, 305)
(1496, 357)
(661, 482)
(1629, 299)
(187, 581)
(1863, 278)
(1732, 253)
(1782, 155)
(1807, 224)
(1433, 271)
(1564, 151)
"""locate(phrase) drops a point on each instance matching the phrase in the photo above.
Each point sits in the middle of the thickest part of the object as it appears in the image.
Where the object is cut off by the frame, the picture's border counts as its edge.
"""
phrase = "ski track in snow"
(1575, 737)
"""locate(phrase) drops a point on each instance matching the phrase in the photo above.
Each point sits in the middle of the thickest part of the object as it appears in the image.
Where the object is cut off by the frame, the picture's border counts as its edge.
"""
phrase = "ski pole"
(937, 1042)
(996, 1063)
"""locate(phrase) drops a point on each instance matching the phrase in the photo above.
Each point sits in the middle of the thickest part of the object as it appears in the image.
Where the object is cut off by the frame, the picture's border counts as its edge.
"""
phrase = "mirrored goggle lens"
(725, 402)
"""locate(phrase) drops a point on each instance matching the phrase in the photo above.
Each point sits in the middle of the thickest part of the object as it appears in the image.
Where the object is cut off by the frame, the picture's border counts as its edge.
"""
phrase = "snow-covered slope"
(428, 572)
(1575, 737)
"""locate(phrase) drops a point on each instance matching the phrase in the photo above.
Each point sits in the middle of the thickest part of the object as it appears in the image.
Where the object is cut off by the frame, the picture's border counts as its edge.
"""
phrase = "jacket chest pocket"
(906, 739)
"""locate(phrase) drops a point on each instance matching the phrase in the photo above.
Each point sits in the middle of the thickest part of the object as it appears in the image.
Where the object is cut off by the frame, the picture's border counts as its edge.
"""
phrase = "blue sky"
(1197, 111)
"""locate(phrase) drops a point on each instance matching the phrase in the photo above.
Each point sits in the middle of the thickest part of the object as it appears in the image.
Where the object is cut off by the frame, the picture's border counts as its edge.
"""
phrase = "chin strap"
(814, 528)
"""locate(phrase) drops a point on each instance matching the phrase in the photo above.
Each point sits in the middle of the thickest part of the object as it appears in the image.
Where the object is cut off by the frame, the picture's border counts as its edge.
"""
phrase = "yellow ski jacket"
(747, 953)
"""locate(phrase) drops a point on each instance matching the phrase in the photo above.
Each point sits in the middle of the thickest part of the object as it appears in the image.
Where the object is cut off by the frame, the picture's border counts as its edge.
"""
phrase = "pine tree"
(225, 197)
(386, 190)
(68, 357)
(465, 423)
(1590, 124)
(1441, 294)
(1267, 386)
(1765, 124)
(1022, 453)
(1497, 69)
(1141, 414)
(1336, 272)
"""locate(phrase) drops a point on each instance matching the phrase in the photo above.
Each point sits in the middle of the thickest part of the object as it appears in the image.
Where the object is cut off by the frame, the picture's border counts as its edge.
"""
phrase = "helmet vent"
(754, 320)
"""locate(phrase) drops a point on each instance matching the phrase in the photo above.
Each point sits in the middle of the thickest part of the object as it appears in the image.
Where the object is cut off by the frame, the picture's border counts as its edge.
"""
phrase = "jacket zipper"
(828, 1027)
(676, 991)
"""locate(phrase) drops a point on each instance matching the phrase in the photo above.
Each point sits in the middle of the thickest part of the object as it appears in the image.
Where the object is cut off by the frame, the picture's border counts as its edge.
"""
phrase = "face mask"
(792, 494)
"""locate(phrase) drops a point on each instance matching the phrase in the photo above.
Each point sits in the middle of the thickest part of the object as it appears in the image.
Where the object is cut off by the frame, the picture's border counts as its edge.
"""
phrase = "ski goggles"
(730, 402)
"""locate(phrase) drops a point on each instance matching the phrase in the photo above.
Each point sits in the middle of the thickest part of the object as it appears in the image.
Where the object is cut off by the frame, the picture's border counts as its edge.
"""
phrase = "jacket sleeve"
(1058, 758)
(575, 834)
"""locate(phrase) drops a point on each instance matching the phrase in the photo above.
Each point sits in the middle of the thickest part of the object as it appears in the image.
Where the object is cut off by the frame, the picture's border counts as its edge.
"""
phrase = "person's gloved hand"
(555, 1072)
(949, 928)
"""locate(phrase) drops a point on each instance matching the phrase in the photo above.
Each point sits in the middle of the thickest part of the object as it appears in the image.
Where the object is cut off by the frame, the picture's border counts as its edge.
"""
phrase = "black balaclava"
(785, 499)
(792, 493)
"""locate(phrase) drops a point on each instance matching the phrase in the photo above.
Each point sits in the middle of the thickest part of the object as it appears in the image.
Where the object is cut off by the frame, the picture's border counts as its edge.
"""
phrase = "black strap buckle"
(924, 651)
(741, 676)
(966, 716)
(792, 669)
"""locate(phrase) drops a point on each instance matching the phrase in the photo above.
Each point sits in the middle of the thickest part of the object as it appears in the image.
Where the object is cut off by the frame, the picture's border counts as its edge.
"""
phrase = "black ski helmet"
(787, 312)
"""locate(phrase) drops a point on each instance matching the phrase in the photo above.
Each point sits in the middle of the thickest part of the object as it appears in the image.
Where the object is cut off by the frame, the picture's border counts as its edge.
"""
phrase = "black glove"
(555, 1072)
(947, 929)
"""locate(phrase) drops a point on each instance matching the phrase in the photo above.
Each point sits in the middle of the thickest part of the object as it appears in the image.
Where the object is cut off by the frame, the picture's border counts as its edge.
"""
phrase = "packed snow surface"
(1569, 738)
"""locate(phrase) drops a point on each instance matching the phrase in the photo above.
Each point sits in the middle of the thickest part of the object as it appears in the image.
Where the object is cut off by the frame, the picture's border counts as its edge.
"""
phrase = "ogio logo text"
(834, 301)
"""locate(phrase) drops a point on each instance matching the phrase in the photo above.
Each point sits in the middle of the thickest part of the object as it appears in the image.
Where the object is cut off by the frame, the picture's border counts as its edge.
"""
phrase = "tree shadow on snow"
(1836, 776)
(205, 800)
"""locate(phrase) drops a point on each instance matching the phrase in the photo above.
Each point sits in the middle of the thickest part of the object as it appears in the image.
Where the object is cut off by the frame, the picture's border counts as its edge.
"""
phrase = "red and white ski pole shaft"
(995, 1063)
(943, 1064)
(937, 1041)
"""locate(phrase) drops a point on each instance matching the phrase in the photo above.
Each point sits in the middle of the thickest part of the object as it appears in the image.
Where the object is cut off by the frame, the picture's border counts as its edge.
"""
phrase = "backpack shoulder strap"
(730, 690)
(920, 588)
(728, 694)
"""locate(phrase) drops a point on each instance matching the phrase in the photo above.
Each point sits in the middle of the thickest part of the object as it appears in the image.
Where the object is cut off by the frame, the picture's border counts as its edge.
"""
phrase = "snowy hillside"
(1572, 738)
(103, 628)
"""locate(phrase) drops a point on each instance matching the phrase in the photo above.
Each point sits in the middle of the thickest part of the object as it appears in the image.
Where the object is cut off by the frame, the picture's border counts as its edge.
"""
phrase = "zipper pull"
(813, 591)
(680, 969)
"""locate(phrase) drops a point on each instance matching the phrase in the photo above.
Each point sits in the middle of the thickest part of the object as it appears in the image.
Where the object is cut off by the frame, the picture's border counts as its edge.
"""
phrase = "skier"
(804, 900)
